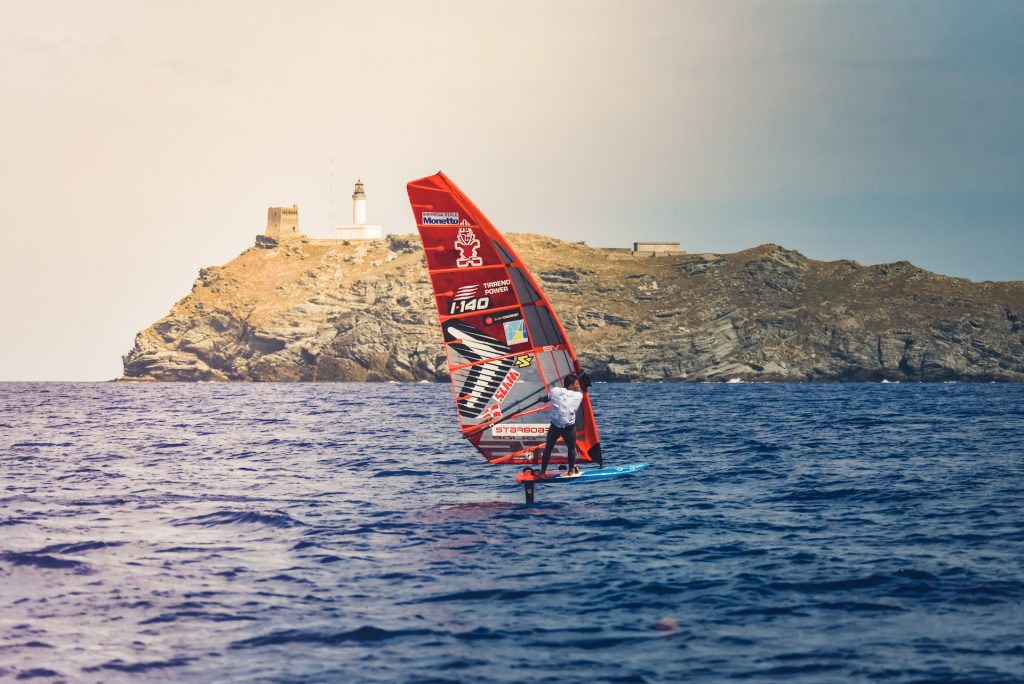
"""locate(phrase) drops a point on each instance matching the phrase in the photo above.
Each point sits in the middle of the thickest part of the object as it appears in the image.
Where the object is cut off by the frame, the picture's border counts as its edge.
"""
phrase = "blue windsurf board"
(586, 475)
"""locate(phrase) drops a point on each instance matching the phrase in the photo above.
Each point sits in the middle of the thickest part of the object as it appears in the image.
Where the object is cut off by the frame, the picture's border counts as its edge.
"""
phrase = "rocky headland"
(308, 310)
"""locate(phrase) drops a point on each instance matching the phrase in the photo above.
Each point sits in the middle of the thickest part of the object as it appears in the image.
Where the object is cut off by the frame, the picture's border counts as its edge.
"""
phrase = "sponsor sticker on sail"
(497, 286)
(467, 292)
(467, 243)
(515, 332)
(520, 431)
(507, 316)
(440, 218)
(465, 300)
(506, 385)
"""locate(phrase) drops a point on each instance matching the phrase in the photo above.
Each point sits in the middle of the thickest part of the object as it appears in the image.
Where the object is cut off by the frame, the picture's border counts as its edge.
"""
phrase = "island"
(292, 308)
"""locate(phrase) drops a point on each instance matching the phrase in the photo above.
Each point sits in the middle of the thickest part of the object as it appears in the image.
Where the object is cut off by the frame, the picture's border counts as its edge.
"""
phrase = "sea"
(347, 533)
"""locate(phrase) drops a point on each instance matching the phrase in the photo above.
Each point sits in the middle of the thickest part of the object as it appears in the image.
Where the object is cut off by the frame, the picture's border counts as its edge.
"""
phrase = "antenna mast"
(330, 191)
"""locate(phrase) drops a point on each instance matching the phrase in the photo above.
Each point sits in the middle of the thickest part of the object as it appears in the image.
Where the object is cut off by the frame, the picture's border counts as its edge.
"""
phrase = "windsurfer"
(564, 402)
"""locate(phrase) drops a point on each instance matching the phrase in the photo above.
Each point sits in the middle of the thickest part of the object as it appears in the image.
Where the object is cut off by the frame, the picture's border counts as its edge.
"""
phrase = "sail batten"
(505, 347)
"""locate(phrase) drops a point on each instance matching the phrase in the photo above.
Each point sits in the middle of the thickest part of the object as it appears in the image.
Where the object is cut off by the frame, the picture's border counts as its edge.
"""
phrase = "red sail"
(506, 347)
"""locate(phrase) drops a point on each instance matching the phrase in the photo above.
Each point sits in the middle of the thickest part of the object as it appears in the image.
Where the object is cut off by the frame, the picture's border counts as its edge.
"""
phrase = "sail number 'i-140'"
(457, 306)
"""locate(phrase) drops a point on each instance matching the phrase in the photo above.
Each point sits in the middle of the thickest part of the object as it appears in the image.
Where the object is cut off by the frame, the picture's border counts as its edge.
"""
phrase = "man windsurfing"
(564, 402)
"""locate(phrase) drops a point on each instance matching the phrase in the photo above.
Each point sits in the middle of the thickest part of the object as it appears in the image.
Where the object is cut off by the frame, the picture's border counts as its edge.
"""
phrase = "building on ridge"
(359, 230)
(283, 222)
(652, 249)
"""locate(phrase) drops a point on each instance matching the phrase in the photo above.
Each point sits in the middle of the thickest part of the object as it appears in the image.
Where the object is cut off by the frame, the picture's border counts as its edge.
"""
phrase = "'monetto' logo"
(440, 218)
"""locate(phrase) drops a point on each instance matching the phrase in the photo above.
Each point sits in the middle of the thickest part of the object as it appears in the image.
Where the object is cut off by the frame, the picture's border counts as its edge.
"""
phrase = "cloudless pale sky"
(141, 140)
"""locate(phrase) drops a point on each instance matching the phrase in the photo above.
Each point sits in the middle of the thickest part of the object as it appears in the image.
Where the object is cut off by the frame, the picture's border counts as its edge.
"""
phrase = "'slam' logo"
(467, 243)
(506, 385)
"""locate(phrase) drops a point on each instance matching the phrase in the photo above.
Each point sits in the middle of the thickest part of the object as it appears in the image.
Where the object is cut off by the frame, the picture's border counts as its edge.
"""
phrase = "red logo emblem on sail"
(467, 243)
(506, 385)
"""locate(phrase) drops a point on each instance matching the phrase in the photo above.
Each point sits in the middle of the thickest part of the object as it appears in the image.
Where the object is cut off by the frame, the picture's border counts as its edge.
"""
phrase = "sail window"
(555, 365)
(543, 329)
(505, 256)
(527, 295)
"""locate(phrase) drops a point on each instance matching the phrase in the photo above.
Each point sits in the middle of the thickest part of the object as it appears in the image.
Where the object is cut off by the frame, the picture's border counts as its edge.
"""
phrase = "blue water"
(333, 533)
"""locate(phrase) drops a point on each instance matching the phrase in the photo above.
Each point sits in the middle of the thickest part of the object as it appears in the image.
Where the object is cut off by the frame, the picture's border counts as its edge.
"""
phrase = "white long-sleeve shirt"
(564, 403)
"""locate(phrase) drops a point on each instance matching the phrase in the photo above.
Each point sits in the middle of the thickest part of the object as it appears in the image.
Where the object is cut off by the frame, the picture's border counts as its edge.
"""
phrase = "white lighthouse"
(359, 230)
(359, 204)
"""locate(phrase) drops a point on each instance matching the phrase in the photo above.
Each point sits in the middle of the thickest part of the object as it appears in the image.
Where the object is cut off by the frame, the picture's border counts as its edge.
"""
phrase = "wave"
(859, 607)
(275, 519)
(619, 522)
(364, 634)
(119, 665)
(34, 673)
(79, 547)
(828, 494)
(407, 472)
(115, 501)
(43, 561)
(196, 615)
(483, 595)
(789, 670)
(833, 585)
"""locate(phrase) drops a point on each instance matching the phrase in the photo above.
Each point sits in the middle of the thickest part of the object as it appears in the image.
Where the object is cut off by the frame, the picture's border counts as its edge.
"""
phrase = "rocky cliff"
(321, 311)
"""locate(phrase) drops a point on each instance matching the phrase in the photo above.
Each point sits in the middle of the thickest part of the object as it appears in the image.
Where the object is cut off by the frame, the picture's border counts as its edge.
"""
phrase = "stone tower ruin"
(283, 222)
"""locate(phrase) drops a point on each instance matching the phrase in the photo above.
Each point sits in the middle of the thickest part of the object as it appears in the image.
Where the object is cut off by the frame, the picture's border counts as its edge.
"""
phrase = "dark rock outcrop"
(363, 311)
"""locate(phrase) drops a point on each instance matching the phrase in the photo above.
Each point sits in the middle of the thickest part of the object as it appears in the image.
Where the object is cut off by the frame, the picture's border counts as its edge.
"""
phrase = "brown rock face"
(363, 311)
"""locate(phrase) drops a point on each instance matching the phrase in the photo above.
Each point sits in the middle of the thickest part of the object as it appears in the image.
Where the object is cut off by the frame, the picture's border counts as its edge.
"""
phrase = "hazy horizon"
(145, 140)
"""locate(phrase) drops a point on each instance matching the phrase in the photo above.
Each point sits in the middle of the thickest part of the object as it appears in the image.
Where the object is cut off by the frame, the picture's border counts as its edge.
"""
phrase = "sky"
(142, 140)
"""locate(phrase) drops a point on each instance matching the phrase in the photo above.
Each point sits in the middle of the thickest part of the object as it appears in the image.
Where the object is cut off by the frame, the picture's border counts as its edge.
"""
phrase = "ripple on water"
(227, 517)
(43, 561)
